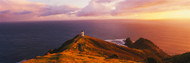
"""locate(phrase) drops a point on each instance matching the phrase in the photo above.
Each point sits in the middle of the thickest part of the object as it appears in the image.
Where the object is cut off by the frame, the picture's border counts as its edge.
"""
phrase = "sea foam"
(116, 41)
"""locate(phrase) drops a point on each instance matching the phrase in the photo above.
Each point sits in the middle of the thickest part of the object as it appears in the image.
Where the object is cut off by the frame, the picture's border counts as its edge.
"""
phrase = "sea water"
(24, 40)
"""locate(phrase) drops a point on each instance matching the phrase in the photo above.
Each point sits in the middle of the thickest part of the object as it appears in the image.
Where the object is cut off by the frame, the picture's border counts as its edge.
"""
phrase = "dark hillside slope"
(183, 58)
(148, 46)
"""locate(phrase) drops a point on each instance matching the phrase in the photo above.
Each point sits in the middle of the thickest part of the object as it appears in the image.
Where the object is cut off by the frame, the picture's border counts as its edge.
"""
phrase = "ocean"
(24, 40)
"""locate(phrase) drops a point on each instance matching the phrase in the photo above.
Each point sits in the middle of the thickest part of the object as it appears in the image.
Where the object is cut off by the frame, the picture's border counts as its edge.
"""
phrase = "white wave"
(116, 41)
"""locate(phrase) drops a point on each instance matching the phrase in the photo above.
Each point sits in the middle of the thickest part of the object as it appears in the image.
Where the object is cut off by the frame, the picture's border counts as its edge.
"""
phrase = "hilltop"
(90, 49)
(146, 45)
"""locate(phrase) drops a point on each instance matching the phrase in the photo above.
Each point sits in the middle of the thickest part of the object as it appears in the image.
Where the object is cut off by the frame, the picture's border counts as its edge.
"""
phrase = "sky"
(43, 10)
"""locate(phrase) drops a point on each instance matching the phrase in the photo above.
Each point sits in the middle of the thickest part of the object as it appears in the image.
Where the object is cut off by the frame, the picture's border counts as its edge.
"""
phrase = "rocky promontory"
(86, 49)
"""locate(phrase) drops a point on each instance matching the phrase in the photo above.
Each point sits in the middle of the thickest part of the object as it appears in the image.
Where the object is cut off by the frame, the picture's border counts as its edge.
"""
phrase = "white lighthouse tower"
(82, 33)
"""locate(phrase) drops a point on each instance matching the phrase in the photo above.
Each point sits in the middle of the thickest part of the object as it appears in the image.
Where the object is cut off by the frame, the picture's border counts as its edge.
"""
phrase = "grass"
(66, 57)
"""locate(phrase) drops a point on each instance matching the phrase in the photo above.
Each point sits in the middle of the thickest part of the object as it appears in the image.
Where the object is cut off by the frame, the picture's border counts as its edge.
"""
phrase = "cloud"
(54, 10)
(104, 1)
(16, 10)
(141, 6)
(131, 6)
(95, 8)
(22, 12)
(19, 5)
(4, 12)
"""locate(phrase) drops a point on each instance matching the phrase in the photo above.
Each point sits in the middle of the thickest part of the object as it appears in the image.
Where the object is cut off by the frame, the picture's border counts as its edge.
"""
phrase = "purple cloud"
(23, 12)
(52, 10)
(5, 11)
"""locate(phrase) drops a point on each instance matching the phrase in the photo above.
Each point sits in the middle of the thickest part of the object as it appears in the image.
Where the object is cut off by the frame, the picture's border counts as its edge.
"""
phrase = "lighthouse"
(82, 33)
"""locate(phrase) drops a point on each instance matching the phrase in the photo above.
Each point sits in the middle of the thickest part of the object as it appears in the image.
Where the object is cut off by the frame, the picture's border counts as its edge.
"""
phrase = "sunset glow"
(35, 10)
(176, 14)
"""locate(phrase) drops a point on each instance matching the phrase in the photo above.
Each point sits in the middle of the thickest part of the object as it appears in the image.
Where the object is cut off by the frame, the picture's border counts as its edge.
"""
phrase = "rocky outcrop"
(148, 47)
(128, 42)
(147, 44)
